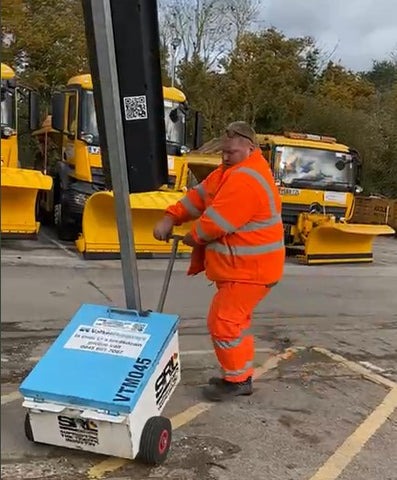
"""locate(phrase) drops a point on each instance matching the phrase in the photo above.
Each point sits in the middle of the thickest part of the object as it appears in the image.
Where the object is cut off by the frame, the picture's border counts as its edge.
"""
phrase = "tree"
(207, 28)
(267, 75)
(45, 41)
(383, 75)
(345, 88)
(205, 92)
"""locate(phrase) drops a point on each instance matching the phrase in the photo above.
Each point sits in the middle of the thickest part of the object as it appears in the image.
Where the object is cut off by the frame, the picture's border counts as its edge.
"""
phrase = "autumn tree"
(345, 87)
(267, 75)
(44, 40)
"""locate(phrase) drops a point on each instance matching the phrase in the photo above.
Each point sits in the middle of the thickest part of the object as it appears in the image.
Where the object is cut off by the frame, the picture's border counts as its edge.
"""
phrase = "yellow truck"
(318, 179)
(82, 206)
(19, 186)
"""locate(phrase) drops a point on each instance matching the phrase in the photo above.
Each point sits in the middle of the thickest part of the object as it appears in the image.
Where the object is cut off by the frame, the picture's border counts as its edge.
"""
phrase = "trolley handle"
(125, 311)
(175, 241)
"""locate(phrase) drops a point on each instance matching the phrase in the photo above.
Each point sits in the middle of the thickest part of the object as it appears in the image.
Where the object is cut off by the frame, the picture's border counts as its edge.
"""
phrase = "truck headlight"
(8, 131)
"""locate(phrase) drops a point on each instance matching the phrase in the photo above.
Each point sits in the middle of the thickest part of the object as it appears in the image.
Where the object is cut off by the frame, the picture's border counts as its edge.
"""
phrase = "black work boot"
(219, 390)
(216, 380)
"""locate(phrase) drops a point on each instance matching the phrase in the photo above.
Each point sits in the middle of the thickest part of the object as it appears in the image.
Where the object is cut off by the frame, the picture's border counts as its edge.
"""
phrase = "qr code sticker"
(135, 108)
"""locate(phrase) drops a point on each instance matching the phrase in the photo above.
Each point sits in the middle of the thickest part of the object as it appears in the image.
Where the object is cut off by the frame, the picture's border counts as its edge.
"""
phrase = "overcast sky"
(361, 30)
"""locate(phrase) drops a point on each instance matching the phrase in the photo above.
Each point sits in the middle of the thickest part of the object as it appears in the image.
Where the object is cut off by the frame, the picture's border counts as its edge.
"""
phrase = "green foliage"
(46, 41)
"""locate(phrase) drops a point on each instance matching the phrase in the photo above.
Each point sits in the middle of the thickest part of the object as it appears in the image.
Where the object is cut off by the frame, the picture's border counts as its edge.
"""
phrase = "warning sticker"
(336, 197)
(108, 340)
(120, 324)
(171, 162)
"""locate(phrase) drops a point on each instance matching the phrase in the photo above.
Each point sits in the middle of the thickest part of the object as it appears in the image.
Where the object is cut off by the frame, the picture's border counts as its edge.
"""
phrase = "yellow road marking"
(111, 464)
(10, 397)
(334, 466)
(356, 367)
(189, 414)
(106, 466)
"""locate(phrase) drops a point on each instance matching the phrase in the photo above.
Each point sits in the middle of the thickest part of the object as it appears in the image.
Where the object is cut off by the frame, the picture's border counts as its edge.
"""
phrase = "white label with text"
(336, 197)
(120, 324)
(107, 340)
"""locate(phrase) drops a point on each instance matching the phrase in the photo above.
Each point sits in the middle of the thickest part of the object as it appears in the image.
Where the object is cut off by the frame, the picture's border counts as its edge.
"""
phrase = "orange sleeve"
(190, 207)
(233, 207)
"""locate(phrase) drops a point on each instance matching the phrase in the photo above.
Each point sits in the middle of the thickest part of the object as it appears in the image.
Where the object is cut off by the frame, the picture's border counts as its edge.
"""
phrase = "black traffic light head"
(136, 50)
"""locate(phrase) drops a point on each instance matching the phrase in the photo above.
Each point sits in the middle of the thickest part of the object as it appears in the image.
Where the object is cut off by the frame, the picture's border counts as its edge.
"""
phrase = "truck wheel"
(42, 216)
(65, 227)
(28, 428)
(155, 441)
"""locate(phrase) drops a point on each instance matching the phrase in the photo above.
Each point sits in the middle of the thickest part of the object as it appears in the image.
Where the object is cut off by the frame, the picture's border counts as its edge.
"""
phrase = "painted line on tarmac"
(113, 463)
(59, 245)
(335, 465)
(357, 368)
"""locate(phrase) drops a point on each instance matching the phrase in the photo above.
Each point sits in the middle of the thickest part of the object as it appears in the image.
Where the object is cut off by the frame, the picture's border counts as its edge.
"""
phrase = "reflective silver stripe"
(203, 236)
(225, 344)
(246, 250)
(253, 226)
(264, 184)
(190, 207)
(236, 373)
(219, 220)
(200, 190)
(248, 227)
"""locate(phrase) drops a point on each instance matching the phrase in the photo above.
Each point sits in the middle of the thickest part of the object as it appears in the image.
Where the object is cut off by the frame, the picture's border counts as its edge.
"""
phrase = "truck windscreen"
(174, 123)
(7, 109)
(313, 168)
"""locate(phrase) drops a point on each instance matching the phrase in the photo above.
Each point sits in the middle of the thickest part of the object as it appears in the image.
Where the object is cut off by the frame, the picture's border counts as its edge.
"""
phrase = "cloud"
(359, 30)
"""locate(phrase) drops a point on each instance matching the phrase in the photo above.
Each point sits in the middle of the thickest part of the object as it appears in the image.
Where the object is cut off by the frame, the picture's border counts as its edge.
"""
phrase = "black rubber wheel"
(155, 441)
(28, 428)
(65, 227)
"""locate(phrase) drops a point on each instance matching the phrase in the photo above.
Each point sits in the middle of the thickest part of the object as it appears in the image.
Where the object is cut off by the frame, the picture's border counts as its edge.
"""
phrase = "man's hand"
(189, 240)
(163, 229)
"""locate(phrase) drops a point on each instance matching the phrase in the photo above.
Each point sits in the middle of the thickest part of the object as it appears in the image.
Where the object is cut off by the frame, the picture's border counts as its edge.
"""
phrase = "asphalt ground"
(325, 398)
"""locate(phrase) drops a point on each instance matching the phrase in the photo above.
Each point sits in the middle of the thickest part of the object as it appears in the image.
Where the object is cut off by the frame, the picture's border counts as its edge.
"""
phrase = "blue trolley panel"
(102, 359)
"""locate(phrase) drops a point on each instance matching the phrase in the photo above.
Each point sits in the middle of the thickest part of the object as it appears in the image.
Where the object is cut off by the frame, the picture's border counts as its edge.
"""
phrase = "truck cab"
(315, 174)
(80, 174)
(19, 186)
(9, 142)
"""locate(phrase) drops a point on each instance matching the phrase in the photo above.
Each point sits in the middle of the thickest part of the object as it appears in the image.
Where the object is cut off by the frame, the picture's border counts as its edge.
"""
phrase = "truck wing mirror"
(58, 109)
(340, 165)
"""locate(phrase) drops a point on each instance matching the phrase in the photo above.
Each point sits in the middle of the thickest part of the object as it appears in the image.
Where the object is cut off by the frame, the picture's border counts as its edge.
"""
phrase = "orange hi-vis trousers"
(229, 321)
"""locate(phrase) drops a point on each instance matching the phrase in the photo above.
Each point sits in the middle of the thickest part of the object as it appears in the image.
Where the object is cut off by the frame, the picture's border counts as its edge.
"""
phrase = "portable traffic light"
(137, 55)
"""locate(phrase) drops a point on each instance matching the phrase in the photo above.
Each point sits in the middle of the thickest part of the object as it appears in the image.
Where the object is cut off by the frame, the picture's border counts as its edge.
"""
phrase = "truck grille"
(98, 177)
(290, 212)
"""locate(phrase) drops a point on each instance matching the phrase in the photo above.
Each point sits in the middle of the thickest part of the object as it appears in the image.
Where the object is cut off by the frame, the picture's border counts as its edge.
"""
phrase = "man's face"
(235, 150)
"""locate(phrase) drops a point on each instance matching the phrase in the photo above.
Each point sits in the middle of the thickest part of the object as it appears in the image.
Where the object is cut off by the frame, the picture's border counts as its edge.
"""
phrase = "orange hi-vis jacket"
(238, 212)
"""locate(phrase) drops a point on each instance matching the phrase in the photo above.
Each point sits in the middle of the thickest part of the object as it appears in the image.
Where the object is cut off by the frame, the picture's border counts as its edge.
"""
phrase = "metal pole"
(105, 52)
(173, 66)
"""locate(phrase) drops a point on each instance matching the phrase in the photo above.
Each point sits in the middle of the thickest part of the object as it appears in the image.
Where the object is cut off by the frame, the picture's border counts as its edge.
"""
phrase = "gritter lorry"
(318, 179)
(19, 186)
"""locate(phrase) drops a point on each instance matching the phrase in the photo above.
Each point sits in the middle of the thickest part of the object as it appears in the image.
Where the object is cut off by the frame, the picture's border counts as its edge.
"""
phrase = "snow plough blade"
(334, 242)
(99, 238)
(19, 189)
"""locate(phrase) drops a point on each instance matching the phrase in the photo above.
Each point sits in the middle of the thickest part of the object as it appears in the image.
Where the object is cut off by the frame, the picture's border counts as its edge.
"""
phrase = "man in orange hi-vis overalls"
(238, 240)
